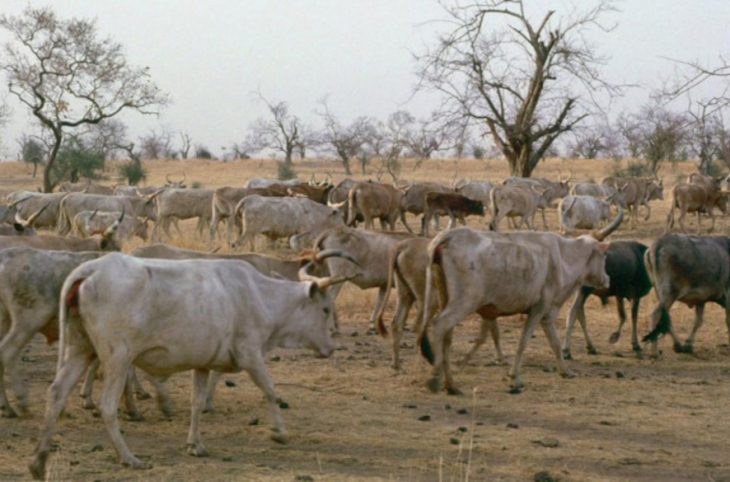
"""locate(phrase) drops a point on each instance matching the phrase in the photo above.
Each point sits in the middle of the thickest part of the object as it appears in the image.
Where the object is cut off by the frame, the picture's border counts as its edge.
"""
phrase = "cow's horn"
(336, 205)
(35, 215)
(20, 201)
(324, 283)
(93, 214)
(113, 228)
(329, 253)
(603, 233)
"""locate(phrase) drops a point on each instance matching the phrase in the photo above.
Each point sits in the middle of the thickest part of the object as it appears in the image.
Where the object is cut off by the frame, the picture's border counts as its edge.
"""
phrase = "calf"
(629, 279)
(153, 318)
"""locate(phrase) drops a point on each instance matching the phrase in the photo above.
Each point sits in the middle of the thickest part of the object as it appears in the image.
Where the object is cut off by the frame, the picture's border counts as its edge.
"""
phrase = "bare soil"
(352, 417)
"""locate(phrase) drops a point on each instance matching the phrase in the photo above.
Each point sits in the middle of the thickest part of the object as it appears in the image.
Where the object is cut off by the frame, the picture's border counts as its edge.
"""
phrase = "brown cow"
(456, 206)
(375, 200)
(696, 198)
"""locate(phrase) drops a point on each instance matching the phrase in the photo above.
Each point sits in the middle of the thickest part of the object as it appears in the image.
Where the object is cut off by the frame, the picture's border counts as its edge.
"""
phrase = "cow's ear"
(19, 227)
(313, 290)
(603, 247)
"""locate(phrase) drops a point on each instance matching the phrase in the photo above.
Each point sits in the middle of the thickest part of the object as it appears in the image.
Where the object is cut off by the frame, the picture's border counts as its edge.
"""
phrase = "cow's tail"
(68, 302)
(63, 225)
(433, 272)
(662, 327)
(493, 208)
(392, 266)
(351, 214)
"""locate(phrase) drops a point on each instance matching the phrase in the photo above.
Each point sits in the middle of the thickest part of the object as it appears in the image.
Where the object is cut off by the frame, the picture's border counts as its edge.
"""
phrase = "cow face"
(319, 316)
(655, 190)
(595, 274)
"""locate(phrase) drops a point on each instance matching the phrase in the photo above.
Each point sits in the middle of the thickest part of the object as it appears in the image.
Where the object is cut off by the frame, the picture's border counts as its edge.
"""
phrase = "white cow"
(279, 217)
(168, 316)
(582, 212)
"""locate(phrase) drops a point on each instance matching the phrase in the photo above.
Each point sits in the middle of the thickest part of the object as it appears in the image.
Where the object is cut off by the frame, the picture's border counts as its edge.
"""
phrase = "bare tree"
(346, 142)
(591, 142)
(281, 133)
(69, 78)
(426, 137)
(395, 136)
(157, 144)
(520, 82)
(186, 144)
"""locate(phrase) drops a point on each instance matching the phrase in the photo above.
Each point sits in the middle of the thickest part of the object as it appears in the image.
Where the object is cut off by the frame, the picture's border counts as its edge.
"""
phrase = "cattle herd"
(163, 309)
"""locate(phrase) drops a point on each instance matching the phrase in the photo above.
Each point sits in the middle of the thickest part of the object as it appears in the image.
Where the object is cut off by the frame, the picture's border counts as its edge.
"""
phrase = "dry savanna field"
(352, 417)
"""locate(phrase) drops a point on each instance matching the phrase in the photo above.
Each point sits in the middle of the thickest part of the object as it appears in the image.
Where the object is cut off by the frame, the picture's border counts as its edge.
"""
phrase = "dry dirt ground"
(352, 417)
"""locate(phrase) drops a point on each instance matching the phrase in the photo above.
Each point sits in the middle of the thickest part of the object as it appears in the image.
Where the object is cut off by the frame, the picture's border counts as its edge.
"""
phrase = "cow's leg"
(699, 318)
(533, 319)
(621, 310)
(129, 403)
(403, 306)
(452, 220)
(726, 305)
(580, 299)
(88, 386)
(116, 370)
(195, 445)
(139, 390)
(544, 221)
(402, 216)
(332, 293)
(380, 300)
(214, 223)
(488, 326)
(712, 217)
(451, 389)
(648, 210)
(682, 213)
(634, 325)
(10, 347)
(443, 323)
(77, 359)
(699, 227)
(548, 326)
(260, 376)
(660, 312)
(210, 391)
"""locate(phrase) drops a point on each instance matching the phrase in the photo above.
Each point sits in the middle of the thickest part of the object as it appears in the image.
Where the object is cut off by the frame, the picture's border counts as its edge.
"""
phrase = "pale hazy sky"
(211, 55)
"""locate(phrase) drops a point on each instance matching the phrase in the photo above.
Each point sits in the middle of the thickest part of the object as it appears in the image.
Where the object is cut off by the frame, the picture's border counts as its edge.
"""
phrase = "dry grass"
(353, 418)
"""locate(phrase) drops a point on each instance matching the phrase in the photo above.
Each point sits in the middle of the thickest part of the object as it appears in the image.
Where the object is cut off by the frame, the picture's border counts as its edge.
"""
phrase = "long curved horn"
(12, 205)
(113, 228)
(19, 220)
(322, 283)
(93, 214)
(603, 233)
(329, 253)
(35, 215)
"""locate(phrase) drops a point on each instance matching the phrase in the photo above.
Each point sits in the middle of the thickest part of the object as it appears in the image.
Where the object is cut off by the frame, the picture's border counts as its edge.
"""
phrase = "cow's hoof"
(135, 463)
(88, 404)
(165, 409)
(280, 438)
(434, 385)
(686, 348)
(209, 408)
(38, 466)
(516, 389)
(614, 337)
(454, 391)
(142, 395)
(135, 416)
(568, 374)
(591, 350)
(567, 355)
(6, 411)
(197, 450)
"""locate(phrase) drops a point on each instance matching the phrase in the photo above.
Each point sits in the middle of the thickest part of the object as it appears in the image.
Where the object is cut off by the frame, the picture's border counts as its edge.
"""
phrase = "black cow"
(629, 279)
(690, 269)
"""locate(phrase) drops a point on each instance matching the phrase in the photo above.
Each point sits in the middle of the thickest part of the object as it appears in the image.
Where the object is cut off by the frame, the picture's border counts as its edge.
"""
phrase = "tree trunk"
(288, 156)
(346, 165)
(48, 185)
(35, 168)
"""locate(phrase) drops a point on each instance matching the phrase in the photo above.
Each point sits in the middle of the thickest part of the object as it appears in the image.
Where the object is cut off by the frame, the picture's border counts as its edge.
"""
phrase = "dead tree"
(521, 83)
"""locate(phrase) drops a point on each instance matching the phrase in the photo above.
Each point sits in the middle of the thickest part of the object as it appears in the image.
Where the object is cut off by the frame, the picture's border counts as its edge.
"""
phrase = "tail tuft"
(661, 328)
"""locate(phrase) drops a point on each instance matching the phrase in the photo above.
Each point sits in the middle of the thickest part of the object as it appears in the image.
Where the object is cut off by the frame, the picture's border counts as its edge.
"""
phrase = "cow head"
(317, 310)
(655, 190)
(25, 226)
(109, 241)
(141, 229)
(180, 184)
(595, 269)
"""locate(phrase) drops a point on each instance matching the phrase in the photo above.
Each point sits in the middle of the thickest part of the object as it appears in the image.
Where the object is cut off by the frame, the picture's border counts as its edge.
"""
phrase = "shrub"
(285, 171)
(633, 169)
(133, 172)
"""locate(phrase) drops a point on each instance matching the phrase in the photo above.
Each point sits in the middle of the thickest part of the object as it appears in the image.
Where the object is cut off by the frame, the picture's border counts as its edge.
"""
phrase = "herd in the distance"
(164, 309)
